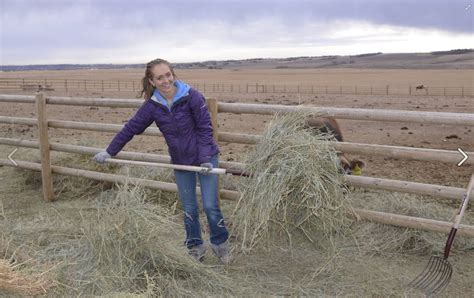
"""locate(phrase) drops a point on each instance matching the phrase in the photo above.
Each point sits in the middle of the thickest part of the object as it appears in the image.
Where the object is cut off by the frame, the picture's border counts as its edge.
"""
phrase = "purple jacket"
(187, 129)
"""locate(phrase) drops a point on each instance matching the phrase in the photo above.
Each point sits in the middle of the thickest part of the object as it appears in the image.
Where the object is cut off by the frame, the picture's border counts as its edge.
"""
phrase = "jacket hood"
(182, 89)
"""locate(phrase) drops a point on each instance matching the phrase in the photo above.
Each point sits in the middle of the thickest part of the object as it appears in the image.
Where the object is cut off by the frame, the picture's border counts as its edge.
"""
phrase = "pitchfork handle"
(458, 218)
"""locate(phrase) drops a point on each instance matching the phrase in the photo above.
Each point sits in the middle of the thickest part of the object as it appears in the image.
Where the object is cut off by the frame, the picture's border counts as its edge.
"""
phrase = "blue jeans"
(186, 182)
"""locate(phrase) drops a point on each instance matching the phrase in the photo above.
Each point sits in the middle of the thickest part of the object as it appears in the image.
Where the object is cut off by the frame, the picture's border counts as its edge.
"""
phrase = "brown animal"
(329, 125)
(421, 87)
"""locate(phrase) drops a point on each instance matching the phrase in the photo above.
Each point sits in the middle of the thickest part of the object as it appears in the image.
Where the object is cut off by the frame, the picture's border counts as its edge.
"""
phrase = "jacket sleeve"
(205, 140)
(136, 125)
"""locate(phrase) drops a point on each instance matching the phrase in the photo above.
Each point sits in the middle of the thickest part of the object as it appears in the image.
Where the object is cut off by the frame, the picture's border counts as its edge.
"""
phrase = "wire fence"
(71, 85)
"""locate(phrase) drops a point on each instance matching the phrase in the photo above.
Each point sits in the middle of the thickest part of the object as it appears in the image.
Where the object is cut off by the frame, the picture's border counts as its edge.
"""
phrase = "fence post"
(409, 90)
(85, 85)
(371, 90)
(326, 89)
(387, 90)
(444, 91)
(212, 105)
(46, 174)
(65, 84)
(118, 86)
(340, 89)
(462, 91)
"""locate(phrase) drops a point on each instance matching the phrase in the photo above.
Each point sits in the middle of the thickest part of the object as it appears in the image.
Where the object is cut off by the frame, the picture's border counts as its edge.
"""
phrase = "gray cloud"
(43, 29)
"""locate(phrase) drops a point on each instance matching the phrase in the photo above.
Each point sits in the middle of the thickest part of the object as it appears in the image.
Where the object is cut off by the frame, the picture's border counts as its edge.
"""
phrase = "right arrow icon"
(465, 157)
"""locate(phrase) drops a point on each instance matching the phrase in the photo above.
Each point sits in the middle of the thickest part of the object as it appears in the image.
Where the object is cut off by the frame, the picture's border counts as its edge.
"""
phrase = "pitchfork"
(218, 171)
(437, 273)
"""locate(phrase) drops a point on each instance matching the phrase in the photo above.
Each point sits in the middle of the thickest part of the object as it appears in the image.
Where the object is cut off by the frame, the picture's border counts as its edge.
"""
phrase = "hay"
(18, 280)
(296, 187)
(376, 238)
(131, 247)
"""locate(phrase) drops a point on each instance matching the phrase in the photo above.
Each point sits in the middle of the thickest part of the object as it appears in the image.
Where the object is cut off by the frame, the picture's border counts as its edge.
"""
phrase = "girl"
(181, 114)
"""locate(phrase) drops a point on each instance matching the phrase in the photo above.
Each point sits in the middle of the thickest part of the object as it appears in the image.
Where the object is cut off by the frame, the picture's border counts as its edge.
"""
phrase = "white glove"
(207, 168)
(101, 157)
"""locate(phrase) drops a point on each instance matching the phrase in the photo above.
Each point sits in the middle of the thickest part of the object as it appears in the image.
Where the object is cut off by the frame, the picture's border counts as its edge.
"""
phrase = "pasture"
(29, 225)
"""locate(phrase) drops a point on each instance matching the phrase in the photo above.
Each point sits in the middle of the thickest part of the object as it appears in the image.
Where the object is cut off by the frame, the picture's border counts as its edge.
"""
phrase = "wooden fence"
(70, 85)
(43, 122)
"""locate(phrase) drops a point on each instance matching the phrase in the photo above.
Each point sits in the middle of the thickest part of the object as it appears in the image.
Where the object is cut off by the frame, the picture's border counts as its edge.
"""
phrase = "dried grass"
(15, 281)
(296, 187)
(132, 246)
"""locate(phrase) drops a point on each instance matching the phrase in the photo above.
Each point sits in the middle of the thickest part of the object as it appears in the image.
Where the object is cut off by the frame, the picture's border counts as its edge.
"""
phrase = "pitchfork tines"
(437, 274)
(435, 277)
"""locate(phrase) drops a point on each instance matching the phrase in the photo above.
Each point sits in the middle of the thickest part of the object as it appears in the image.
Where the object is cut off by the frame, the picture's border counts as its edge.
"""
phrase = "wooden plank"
(46, 174)
(424, 154)
(438, 191)
(375, 216)
(413, 222)
(153, 184)
(466, 119)
(212, 105)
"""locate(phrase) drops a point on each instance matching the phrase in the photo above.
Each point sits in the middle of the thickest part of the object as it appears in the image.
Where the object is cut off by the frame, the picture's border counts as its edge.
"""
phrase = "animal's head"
(352, 167)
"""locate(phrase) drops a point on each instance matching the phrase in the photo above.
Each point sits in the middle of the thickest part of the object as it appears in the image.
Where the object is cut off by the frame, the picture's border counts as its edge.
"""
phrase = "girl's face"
(162, 78)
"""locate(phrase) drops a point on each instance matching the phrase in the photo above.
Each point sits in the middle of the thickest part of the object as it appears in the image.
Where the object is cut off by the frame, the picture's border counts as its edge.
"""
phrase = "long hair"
(147, 87)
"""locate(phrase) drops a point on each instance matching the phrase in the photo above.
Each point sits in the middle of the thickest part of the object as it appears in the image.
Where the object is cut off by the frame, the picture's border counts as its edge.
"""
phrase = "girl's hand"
(101, 157)
(207, 168)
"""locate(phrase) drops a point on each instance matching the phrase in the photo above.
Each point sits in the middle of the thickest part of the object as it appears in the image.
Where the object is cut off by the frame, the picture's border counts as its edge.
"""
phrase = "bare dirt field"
(390, 133)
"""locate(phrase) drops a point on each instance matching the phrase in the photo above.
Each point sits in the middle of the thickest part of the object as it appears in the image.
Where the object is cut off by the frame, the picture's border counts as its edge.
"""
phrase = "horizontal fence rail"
(236, 167)
(375, 216)
(74, 85)
(268, 109)
(439, 191)
(410, 153)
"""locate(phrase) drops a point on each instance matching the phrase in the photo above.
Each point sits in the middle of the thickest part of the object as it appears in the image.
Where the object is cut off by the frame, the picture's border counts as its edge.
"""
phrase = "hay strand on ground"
(15, 281)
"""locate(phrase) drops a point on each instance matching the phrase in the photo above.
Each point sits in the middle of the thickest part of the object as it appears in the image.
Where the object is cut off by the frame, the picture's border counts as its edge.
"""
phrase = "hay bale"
(296, 187)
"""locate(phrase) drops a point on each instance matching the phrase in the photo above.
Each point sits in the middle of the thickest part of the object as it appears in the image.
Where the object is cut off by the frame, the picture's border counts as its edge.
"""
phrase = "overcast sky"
(114, 31)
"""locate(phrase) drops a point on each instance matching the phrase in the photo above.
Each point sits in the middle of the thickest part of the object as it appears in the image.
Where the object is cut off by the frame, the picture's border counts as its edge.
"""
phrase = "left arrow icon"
(11, 159)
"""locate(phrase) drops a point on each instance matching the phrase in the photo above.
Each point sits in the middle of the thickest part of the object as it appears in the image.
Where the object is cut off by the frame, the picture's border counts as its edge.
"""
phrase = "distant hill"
(454, 59)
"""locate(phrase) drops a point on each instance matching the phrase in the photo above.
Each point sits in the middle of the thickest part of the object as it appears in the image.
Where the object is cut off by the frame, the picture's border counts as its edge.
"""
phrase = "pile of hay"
(130, 246)
(296, 187)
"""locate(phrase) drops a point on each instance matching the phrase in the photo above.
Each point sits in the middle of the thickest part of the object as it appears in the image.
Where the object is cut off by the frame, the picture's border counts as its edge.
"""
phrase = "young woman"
(181, 114)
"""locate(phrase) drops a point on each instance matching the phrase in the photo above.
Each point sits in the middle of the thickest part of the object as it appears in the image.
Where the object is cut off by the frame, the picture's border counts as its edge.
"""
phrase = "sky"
(115, 31)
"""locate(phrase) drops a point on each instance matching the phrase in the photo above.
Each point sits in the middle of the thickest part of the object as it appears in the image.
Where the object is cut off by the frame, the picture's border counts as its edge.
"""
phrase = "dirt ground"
(390, 133)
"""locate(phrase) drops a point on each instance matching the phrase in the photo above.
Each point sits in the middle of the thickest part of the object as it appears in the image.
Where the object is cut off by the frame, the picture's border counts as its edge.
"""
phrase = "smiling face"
(163, 79)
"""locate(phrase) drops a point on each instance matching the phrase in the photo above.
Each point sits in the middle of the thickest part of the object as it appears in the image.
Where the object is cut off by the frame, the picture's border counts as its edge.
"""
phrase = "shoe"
(222, 251)
(198, 251)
